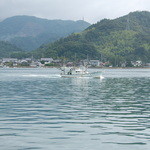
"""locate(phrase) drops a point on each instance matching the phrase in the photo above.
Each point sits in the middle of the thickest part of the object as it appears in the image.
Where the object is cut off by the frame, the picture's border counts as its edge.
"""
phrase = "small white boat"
(77, 72)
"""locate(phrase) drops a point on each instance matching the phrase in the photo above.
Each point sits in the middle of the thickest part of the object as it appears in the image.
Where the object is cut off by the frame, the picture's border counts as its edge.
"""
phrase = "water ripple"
(40, 110)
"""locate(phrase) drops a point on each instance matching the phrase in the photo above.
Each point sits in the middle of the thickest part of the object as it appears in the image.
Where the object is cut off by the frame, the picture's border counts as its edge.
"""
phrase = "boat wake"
(42, 75)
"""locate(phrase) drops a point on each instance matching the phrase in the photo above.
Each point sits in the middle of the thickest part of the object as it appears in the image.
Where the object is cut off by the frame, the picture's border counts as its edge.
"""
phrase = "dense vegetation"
(120, 40)
(29, 33)
(8, 50)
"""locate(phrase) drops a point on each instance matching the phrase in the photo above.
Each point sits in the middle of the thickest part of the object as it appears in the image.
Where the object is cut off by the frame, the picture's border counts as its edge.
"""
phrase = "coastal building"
(94, 63)
(4, 60)
(28, 59)
(49, 60)
(34, 64)
(137, 63)
(147, 65)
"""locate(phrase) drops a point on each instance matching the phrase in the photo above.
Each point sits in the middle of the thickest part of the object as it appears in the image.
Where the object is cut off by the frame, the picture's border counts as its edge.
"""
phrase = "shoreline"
(120, 68)
(88, 67)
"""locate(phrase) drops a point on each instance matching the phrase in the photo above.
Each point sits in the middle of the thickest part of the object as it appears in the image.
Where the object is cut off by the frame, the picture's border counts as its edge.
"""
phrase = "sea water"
(41, 110)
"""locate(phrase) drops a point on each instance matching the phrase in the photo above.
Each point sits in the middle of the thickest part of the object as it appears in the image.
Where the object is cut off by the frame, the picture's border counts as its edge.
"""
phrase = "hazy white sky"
(91, 10)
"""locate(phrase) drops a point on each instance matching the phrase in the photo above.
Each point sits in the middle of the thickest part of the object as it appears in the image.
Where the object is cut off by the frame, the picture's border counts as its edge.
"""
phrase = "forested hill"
(123, 39)
(135, 21)
(7, 49)
(28, 32)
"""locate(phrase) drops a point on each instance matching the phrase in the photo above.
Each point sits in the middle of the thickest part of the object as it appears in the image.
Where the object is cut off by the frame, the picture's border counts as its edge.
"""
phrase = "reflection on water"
(40, 110)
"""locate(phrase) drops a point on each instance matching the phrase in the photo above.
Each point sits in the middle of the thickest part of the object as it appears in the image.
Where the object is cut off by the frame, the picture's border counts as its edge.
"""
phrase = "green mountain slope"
(29, 32)
(7, 49)
(120, 40)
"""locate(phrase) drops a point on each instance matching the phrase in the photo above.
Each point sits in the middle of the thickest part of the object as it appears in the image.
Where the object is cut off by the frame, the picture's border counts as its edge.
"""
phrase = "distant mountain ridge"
(28, 32)
(120, 40)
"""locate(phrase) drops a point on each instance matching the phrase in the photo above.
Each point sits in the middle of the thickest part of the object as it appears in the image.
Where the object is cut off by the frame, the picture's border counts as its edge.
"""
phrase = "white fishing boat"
(77, 72)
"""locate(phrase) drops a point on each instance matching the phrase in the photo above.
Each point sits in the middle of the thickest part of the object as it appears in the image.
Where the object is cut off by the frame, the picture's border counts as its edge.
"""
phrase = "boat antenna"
(75, 58)
(87, 57)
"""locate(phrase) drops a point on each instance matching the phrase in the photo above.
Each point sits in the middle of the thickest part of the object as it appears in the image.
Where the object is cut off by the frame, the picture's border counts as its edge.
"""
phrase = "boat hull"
(97, 76)
(74, 76)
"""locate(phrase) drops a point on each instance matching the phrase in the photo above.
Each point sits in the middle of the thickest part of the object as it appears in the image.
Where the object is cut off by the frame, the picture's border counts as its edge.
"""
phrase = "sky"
(91, 11)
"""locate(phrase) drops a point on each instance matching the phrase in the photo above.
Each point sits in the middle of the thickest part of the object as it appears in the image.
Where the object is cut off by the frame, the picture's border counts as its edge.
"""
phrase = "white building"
(47, 59)
(137, 63)
(9, 60)
(95, 62)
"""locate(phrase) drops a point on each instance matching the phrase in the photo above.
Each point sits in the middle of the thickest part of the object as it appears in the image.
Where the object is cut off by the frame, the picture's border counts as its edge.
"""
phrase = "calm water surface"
(41, 110)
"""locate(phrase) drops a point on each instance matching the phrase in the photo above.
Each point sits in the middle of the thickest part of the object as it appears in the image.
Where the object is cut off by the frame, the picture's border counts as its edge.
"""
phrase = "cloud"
(91, 10)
